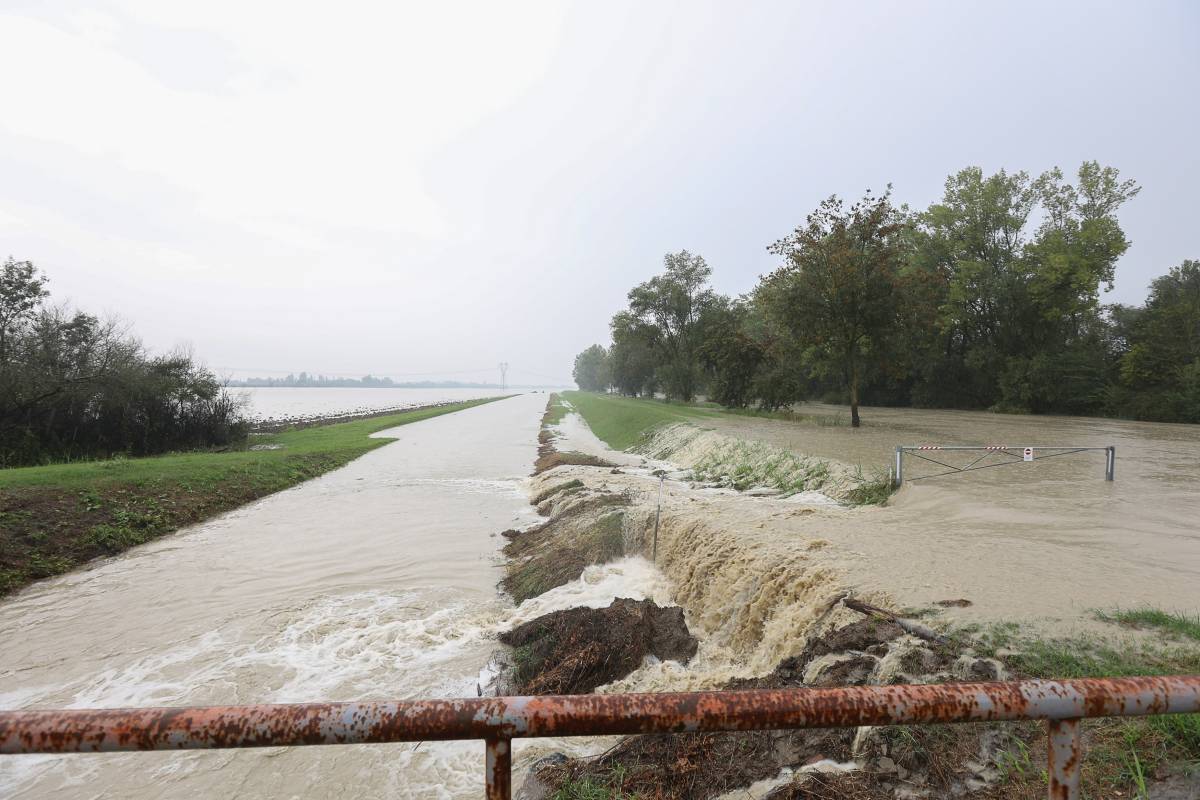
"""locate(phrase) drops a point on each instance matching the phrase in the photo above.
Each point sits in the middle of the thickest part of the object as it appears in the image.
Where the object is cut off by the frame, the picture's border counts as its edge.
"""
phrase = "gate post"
(899, 465)
(1065, 759)
(498, 769)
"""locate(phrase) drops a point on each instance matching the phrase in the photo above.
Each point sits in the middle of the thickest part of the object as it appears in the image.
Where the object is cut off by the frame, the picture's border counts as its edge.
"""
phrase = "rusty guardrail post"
(1065, 759)
(498, 769)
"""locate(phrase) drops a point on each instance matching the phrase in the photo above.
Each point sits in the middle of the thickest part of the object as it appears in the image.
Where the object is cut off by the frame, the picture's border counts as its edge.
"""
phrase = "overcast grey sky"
(436, 187)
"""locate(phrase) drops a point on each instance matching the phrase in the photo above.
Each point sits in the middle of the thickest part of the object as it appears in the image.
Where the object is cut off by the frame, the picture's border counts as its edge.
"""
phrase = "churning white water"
(374, 581)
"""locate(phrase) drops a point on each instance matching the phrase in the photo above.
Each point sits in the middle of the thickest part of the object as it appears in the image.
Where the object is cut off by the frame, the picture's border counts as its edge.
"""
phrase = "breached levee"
(754, 579)
(747, 570)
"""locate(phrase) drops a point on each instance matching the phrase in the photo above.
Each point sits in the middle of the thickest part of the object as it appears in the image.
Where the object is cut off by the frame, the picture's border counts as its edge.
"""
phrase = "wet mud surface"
(575, 650)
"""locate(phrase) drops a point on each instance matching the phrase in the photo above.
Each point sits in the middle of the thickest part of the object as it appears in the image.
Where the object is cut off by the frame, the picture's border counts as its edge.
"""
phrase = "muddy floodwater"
(1048, 541)
(375, 581)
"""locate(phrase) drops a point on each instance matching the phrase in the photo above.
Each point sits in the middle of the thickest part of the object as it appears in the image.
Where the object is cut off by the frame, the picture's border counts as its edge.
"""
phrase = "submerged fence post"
(1065, 759)
(1111, 463)
(657, 514)
(498, 769)
(899, 465)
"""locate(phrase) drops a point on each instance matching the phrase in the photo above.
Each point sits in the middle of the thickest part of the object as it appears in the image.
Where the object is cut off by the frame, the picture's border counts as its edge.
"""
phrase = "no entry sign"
(1029, 454)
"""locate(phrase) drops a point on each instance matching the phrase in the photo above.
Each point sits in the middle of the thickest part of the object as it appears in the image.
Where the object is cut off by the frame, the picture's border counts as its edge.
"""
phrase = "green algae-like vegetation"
(54, 518)
(622, 422)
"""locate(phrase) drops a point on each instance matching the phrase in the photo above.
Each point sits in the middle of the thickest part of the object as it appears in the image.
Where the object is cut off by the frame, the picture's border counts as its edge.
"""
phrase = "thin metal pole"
(1065, 759)
(498, 769)
(899, 465)
(1110, 473)
(657, 514)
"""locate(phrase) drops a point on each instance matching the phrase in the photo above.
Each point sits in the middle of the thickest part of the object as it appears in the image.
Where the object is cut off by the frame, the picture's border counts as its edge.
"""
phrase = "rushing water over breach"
(375, 581)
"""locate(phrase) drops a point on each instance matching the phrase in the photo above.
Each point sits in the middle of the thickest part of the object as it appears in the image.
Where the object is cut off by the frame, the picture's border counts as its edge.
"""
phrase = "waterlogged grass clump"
(745, 465)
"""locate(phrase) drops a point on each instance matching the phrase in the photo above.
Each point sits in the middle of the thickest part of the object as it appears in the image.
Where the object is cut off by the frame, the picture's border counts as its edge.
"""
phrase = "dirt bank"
(709, 765)
(576, 650)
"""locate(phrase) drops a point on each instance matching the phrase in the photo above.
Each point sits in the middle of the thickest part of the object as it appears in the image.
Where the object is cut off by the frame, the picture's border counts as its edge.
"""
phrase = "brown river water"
(374, 581)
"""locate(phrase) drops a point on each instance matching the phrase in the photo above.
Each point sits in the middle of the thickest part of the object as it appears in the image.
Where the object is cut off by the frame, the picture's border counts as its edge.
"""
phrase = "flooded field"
(286, 402)
(1049, 540)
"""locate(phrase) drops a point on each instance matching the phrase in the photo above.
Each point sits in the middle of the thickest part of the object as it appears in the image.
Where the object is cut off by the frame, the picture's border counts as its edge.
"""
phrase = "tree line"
(73, 386)
(988, 299)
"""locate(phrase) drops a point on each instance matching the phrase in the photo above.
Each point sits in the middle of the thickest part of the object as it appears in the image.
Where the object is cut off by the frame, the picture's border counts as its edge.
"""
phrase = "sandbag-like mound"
(574, 651)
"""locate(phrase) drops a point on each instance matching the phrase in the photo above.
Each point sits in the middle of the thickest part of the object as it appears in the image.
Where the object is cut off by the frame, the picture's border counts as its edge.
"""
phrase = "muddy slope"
(939, 761)
(576, 650)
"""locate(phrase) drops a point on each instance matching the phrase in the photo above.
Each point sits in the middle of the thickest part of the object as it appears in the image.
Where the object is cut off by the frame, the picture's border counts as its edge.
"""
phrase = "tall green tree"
(22, 290)
(631, 358)
(1160, 368)
(591, 372)
(1012, 307)
(670, 306)
(837, 293)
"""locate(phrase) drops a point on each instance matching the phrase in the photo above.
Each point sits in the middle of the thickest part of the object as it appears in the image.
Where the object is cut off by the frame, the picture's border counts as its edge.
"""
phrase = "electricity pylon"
(503, 375)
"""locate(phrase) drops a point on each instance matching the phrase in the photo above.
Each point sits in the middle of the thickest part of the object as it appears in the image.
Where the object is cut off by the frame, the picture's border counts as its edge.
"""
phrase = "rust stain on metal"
(1065, 759)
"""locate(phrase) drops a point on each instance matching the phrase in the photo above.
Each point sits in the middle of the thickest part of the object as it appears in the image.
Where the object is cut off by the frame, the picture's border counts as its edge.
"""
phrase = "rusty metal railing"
(499, 720)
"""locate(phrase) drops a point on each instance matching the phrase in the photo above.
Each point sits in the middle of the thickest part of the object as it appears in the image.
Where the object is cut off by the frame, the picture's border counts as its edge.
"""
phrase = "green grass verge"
(54, 518)
(621, 422)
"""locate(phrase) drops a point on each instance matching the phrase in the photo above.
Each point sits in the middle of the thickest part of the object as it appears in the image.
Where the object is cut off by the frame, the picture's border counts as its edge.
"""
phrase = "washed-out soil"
(587, 527)
(575, 650)
(694, 766)
(549, 457)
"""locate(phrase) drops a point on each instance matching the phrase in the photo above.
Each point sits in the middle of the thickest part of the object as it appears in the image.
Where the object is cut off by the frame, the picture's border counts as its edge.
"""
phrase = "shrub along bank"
(56, 517)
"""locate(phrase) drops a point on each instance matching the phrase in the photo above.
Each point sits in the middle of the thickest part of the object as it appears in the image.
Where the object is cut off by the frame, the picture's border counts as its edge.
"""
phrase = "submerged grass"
(556, 409)
(1173, 624)
(54, 518)
(744, 465)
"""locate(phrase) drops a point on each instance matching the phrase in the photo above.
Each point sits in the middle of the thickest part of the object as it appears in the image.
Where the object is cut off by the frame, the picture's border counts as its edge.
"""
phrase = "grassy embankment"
(623, 422)
(54, 518)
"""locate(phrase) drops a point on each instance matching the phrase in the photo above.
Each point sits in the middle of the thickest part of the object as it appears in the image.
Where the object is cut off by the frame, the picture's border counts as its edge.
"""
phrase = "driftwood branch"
(915, 628)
